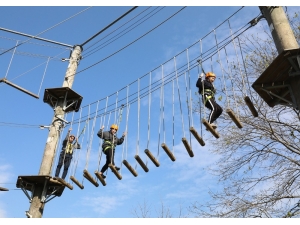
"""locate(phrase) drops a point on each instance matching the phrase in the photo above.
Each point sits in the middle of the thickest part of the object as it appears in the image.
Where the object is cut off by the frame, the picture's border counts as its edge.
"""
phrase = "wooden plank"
(64, 183)
(197, 136)
(99, 176)
(142, 164)
(251, 106)
(167, 150)
(188, 147)
(113, 169)
(88, 176)
(134, 173)
(76, 182)
(151, 157)
(209, 127)
(234, 118)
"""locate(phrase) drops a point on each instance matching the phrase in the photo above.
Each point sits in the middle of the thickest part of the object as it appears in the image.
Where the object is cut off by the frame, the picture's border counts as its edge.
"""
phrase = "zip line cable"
(115, 30)
(46, 30)
(128, 44)
(108, 26)
(101, 46)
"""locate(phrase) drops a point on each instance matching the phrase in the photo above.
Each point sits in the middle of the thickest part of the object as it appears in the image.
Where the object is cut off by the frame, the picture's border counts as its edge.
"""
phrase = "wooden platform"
(53, 95)
(273, 85)
(29, 182)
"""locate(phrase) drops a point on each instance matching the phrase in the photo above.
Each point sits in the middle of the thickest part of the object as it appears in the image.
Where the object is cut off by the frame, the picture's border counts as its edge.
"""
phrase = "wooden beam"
(197, 136)
(134, 173)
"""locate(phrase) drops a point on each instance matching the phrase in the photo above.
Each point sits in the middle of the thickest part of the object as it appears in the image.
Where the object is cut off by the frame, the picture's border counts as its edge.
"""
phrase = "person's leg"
(60, 163)
(209, 104)
(216, 111)
(67, 162)
(108, 153)
(219, 110)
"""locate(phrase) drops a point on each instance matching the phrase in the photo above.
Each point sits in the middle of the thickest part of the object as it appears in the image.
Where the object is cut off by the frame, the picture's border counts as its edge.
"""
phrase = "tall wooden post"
(284, 39)
(37, 206)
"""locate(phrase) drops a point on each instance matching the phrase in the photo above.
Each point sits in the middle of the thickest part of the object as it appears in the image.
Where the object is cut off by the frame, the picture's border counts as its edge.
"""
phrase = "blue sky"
(175, 184)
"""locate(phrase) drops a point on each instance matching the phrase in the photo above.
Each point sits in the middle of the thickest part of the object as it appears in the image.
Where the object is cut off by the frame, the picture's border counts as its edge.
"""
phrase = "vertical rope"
(105, 110)
(87, 149)
(127, 116)
(231, 80)
(160, 108)
(187, 95)
(245, 69)
(138, 118)
(100, 145)
(149, 110)
(163, 101)
(173, 112)
(43, 76)
(179, 97)
(11, 59)
(222, 69)
(232, 39)
(190, 99)
(77, 153)
(201, 102)
(115, 121)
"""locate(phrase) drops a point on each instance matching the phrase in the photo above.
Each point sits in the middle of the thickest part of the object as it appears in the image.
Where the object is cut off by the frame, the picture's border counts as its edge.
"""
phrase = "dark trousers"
(216, 110)
(110, 154)
(64, 159)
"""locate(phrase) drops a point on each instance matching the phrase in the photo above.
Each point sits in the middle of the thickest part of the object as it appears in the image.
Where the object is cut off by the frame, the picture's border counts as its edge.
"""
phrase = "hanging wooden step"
(99, 176)
(62, 181)
(169, 153)
(251, 106)
(142, 164)
(76, 182)
(3, 189)
(90, 178)
(134, 173)
(153, 159)
(209, 127)
(113, 169)
(234, 118)
(188, 147)
(19, 88)
(197, 136)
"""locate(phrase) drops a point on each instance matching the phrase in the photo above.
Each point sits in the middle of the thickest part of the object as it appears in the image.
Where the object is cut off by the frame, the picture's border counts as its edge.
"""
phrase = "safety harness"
(110, 145)
(209, 93)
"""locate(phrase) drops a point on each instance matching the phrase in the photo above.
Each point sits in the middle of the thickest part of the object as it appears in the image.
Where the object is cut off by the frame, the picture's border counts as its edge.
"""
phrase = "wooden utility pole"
(284, 39)
(37, 205)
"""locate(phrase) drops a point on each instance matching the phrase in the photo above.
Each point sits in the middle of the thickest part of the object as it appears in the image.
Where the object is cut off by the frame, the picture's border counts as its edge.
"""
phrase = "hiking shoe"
(214, 126)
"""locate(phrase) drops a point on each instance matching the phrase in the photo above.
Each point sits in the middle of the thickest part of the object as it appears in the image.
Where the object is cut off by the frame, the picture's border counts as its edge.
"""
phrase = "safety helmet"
(114, 126)
(72, 136)
(210, 74)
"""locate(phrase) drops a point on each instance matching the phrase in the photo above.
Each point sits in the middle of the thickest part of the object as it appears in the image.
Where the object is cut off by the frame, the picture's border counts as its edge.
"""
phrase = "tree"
(259, 167)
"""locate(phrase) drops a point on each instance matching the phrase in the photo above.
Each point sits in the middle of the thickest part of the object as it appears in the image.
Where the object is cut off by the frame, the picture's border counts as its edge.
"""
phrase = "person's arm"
(100, 132)
(76, 144)
(121, 139)
(199, 83)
